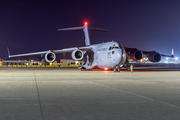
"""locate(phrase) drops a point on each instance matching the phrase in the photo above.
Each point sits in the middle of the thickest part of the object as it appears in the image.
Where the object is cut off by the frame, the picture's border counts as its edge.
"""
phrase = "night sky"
(31, 26)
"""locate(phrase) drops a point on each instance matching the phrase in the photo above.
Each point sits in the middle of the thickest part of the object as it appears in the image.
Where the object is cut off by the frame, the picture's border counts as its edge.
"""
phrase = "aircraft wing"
(66, 50)
(149, 52)
(128, 50)
(153, 56)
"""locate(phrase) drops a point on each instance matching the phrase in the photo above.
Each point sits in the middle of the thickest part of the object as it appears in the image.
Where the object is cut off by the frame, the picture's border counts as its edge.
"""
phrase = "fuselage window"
(113, 52)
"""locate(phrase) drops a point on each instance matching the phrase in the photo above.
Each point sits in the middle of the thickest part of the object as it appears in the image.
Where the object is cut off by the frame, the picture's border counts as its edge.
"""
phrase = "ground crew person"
(131, 67)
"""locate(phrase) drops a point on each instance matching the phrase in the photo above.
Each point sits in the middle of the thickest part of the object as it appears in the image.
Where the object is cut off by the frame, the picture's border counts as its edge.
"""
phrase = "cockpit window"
(114, 48)
(111, 48)
(112, 52)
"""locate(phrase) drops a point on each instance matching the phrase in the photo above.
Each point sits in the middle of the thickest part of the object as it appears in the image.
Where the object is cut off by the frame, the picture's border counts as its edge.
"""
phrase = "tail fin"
(85, 29)
(86, 34)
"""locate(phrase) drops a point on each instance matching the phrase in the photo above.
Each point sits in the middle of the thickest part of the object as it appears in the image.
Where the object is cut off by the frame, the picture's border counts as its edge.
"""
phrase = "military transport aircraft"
(109, 55)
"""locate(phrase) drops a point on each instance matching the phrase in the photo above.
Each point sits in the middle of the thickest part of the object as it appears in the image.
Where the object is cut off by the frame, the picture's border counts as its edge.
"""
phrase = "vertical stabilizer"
(86, 34)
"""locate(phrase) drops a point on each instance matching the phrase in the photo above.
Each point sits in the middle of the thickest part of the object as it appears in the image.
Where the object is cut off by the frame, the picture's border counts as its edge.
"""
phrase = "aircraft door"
(113, 56)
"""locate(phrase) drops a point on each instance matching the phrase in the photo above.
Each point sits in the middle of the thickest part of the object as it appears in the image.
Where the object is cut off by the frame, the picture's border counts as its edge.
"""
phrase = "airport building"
(63, 62)
(20, 62)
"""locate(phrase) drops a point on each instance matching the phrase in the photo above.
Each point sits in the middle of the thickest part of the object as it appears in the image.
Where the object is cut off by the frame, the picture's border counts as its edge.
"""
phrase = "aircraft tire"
(118, 69)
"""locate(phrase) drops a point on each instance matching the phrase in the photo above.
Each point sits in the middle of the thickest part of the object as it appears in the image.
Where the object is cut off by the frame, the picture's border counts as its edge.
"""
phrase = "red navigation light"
(106, 68)
(85, 23)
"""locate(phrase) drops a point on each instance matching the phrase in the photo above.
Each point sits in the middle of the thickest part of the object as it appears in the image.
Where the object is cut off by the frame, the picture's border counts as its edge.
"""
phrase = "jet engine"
(77, 54)
(50, 57)
(154, 57)
(136, 55)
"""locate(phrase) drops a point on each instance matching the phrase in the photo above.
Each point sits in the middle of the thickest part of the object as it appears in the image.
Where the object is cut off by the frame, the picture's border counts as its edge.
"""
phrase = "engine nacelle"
(50, 57)
(77, 55)
(154, 57)
(136, 55)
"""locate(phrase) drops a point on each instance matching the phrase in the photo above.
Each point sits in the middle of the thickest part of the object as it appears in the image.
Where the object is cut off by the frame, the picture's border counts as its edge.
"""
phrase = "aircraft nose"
(118, 56)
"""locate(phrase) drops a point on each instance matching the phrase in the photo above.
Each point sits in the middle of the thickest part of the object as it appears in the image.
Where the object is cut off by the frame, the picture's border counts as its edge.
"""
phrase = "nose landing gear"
(116, 69)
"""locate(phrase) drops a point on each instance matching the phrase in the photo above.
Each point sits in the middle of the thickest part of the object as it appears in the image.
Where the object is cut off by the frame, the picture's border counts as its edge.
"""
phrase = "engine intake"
(136, 55)
(50, 57)
(77, 55)
(154, 57)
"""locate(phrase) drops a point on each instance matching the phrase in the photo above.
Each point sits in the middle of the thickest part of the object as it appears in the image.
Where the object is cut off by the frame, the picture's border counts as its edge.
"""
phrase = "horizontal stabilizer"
(79, 28)
(97, 29)
(72, 28)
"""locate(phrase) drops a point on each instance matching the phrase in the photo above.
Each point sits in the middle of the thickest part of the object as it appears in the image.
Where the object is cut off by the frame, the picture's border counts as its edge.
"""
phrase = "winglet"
(172, 53)
(8, 52)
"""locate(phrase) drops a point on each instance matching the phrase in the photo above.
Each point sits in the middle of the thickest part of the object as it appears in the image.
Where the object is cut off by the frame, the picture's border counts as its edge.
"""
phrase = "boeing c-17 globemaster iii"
(109, 55)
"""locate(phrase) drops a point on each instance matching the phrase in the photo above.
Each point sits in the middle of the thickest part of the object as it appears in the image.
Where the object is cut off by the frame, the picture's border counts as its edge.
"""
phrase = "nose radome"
(119, 55)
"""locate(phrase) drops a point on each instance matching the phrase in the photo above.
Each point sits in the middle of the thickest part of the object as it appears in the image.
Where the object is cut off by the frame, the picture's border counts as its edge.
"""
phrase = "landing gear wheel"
(118, 69)
(82, 69)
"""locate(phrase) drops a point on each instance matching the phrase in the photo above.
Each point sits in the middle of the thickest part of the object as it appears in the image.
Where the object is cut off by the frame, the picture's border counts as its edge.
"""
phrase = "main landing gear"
(82, 69)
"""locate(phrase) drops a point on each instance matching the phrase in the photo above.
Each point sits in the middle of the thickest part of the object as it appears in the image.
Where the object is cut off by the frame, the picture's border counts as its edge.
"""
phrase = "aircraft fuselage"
(107, 55)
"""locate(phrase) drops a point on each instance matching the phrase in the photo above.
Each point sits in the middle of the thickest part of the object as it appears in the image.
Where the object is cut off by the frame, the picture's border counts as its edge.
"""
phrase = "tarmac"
(71, 94)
